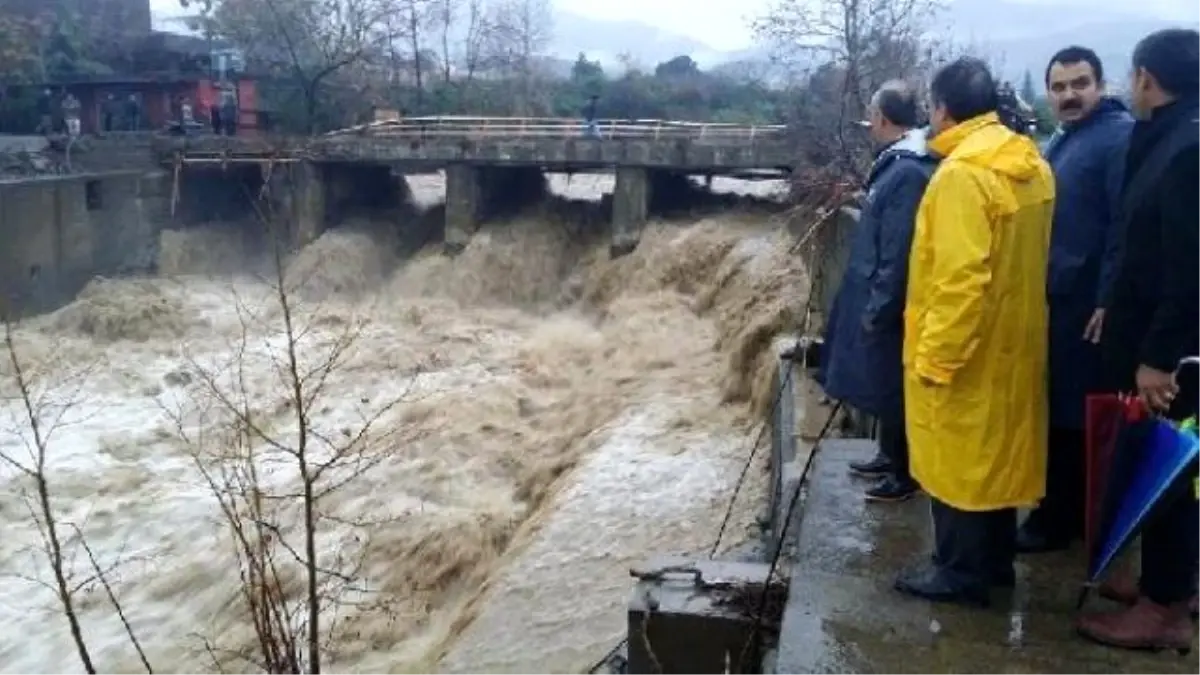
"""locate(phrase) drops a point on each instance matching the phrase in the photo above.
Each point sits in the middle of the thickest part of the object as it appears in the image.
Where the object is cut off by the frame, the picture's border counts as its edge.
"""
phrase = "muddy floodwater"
(541, 418)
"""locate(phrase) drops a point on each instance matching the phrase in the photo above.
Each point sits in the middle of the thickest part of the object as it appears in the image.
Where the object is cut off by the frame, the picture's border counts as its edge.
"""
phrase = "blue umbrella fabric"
(1151, 457)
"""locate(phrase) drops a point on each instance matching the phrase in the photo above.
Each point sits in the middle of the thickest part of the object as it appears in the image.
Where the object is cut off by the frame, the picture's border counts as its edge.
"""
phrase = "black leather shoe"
(892, 489)
(932, 585)
(872, 468)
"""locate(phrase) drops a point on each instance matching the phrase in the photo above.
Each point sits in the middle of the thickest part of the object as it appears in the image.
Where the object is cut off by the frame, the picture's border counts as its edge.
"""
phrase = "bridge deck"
(843, 616)
(553, 144)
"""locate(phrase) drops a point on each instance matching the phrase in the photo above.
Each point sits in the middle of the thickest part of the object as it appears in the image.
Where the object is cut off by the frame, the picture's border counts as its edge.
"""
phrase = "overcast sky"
(724, 24)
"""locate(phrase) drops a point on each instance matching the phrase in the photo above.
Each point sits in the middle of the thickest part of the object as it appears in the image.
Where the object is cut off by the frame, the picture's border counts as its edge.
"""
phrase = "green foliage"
(1046, 123)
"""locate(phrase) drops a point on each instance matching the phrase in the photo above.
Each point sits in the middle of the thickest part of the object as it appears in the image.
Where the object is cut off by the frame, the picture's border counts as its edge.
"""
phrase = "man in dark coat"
(1152, 322)
(591, 128)
(1087, 154)
(861, 365)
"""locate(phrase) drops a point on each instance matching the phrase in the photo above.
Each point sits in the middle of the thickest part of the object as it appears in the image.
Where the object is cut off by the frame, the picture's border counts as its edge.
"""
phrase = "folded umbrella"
(1157, 453)
(1135, 463)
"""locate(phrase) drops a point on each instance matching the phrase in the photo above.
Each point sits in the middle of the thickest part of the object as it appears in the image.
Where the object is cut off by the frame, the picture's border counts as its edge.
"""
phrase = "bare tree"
(459, 26)
(444, 18)
(272, 456)
(519, 31)
(409, 27)
(860, 42)
(469, 54)
(45, 407)
(310, 39)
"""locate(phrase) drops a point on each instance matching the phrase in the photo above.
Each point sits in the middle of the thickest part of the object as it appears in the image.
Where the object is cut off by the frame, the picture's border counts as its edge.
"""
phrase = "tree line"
(324, 64)
(466, 57)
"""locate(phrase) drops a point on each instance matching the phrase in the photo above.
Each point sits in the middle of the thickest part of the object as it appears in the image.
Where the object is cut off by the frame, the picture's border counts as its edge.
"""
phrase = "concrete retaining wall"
(58, 232)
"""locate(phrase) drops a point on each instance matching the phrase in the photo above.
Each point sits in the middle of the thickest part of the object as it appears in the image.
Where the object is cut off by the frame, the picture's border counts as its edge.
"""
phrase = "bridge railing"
(554, 127)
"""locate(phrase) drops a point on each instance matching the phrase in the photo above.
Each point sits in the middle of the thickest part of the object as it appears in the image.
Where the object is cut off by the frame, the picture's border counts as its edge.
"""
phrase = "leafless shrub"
(272, 456)
(45, 405)
(846, 49)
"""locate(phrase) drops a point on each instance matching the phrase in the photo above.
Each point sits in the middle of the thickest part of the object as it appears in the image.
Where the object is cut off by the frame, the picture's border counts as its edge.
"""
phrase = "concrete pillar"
(75, 234)
(631, 200)
(29, 246)
(122, 229)
(308, 203)
(153, 210)
(464, 195)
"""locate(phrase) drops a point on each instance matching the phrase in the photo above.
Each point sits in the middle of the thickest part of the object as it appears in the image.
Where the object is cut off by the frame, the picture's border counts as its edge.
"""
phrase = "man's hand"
(1156, 388)
(1095, 326)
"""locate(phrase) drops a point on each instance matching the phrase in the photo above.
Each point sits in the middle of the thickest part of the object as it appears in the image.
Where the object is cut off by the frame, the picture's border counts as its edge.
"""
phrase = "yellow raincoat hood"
(986, 143)
(975, 320)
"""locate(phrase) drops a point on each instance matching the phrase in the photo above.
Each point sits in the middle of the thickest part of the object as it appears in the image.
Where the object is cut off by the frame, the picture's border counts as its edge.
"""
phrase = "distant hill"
(1019, 36)
(606, 41)
(1015, 35)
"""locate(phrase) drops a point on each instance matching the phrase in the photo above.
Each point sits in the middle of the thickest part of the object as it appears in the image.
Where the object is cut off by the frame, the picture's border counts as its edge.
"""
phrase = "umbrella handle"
(1084, 591)
(1186, 361)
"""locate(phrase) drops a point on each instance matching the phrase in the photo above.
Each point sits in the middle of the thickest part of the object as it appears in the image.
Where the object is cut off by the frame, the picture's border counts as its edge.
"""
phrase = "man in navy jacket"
(1087, 154)
(861, 365)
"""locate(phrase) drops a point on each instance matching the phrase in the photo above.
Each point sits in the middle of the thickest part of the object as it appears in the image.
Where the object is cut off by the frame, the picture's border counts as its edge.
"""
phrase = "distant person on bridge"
(71, 114)
(1087, 154)
(975, 338)
(229, 110)
(591, 128)
(133, 113)
(862, 361)
(45, 109)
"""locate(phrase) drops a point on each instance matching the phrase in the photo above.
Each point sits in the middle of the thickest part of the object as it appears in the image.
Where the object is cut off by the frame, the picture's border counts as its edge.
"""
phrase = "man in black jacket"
(1153, 320)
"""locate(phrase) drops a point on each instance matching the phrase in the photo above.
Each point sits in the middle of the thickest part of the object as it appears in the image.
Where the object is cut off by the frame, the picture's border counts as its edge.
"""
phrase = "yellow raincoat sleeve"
(960, 240)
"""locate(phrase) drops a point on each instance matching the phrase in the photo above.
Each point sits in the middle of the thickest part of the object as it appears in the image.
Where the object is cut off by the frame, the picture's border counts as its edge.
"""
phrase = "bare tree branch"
(42, 414)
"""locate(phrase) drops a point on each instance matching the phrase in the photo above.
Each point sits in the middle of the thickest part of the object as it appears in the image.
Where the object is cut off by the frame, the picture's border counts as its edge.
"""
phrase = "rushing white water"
(542, 418)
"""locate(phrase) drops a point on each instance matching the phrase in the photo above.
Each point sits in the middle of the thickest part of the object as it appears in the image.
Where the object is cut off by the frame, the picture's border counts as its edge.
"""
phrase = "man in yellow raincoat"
(975, 338)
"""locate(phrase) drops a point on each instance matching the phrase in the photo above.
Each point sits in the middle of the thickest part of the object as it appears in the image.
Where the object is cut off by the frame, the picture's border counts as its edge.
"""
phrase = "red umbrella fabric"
(1106, 416)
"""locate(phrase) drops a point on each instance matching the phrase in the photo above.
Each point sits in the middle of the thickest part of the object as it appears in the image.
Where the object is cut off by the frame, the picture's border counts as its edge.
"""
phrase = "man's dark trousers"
(893, 444)
(1060, 516)
(974, 550)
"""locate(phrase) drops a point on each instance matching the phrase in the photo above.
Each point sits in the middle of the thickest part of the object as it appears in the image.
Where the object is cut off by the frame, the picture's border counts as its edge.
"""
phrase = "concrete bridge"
(488, 160)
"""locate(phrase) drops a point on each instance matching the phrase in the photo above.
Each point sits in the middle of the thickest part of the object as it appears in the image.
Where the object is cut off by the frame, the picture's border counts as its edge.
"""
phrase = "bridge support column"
(631, 202)
(464, 197)
(308, 207)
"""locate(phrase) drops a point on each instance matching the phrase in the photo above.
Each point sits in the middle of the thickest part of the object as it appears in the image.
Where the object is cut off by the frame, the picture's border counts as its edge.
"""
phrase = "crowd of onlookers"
(993, 285)
(60, 112)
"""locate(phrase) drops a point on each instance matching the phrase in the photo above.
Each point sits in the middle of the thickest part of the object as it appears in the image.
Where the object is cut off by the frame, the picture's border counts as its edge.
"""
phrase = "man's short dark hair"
(1172, 56)
(966, 88)
(1075, 54)
(898, 104)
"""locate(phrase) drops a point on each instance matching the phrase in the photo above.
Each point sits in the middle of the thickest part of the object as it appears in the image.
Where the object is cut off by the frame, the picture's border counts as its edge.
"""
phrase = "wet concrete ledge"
(842, 615)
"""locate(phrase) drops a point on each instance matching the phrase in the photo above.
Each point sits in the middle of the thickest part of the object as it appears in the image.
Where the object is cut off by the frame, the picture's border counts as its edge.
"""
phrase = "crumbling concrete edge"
(783, 450)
